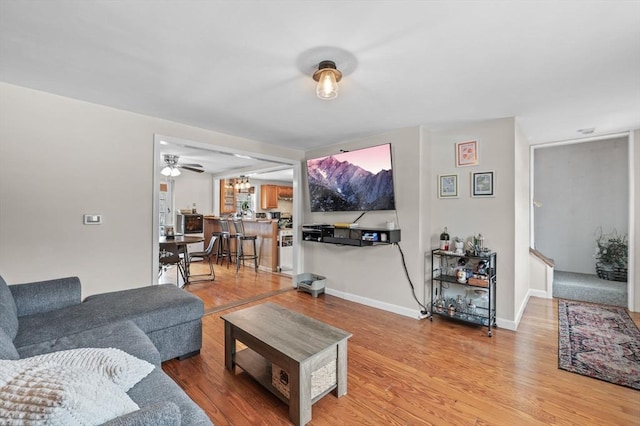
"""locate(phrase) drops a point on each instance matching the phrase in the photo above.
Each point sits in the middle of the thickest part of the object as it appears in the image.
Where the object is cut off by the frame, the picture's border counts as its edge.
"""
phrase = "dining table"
(182, 241)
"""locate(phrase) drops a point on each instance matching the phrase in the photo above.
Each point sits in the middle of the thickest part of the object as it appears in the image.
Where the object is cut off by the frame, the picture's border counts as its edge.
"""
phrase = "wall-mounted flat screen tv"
(359, 180)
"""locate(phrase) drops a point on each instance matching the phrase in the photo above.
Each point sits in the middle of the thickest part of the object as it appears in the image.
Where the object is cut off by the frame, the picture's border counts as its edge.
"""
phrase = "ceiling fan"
(173, 166)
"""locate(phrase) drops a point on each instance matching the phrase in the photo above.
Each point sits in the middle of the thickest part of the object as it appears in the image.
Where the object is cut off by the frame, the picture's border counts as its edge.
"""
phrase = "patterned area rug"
(599, 341)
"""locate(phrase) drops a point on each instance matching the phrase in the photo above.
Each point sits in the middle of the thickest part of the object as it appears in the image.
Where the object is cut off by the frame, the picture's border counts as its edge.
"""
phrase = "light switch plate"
(92, 219)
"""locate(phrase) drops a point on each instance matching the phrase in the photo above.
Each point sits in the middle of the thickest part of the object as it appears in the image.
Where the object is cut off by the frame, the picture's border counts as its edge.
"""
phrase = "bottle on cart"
(193, 209)
(444, 240)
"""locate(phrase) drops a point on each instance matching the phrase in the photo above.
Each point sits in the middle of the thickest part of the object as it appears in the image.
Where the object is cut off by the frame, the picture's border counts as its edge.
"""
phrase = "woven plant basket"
(321, 379)
(611, 273)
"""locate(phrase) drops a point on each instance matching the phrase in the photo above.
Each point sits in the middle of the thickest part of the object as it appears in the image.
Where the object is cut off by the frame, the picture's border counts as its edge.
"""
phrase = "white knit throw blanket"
(76, 387)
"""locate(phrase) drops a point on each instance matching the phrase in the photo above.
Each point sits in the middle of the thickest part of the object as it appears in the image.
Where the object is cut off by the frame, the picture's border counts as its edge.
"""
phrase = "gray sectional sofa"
(154, 323)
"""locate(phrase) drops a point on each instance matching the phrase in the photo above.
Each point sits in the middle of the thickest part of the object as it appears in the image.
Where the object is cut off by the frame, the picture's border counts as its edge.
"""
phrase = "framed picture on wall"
(448, 186)
(467, 153)
(482, 184)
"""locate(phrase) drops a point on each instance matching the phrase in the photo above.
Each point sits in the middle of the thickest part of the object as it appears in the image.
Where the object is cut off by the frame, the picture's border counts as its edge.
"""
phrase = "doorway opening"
(580, 190)
(221, 163)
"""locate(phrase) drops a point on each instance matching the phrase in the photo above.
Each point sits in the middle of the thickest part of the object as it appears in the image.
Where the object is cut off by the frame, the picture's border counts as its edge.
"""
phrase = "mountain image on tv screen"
(360, 180)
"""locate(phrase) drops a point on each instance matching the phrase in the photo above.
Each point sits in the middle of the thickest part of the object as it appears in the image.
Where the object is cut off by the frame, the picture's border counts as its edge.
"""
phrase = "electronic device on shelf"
(359, 236)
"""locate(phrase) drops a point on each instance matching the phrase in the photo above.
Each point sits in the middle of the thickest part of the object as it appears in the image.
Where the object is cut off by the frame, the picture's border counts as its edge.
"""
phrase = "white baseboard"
(513, 325)
(538, 293)
(506, 324)
(400, 310)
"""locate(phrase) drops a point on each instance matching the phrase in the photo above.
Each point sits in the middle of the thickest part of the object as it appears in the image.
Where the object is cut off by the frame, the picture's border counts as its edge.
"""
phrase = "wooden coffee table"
(278, 338)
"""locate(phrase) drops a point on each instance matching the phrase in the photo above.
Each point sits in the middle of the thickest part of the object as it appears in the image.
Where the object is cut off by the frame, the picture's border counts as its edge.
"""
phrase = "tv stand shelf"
(359, 237)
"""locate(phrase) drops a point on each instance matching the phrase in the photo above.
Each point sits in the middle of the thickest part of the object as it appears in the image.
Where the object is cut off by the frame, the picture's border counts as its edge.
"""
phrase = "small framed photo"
(448, 186)
(482, 184)
(467, 153)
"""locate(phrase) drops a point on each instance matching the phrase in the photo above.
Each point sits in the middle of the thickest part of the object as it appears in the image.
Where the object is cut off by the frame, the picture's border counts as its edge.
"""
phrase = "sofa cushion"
(7, 348)
(158, 387)
(164, 413)
(8, 311)
(150, 308)
(49, 295)
(124, 335)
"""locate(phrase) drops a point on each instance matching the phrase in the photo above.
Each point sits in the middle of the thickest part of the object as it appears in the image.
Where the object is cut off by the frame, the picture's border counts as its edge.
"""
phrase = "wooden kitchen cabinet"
(285, 192)
(227, 196)
(268, 196)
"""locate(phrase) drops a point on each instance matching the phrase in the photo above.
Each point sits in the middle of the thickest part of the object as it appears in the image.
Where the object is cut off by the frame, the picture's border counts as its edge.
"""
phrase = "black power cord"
(424, 310)
(358, 218)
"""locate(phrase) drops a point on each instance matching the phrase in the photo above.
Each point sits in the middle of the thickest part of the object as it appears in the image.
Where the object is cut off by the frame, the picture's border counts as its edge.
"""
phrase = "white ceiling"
(225, 164)
(244, 67)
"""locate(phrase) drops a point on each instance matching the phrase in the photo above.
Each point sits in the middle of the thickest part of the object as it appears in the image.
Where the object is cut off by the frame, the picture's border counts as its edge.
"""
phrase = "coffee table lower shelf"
(260, 369)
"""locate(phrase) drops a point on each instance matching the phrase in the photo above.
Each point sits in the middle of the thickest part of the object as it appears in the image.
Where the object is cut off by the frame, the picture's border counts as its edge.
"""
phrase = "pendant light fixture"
(327, 77)
(242, 184)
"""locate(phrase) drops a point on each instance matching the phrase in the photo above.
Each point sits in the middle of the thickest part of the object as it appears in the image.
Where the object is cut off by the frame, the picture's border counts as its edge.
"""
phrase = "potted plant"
(612, 256)
(245, 208)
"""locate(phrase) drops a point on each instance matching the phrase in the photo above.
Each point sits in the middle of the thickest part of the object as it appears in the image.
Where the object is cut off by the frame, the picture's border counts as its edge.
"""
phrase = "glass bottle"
(444, 240)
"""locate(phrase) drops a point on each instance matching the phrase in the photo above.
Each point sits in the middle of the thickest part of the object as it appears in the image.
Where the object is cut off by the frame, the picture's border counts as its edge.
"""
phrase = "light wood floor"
(404, 371)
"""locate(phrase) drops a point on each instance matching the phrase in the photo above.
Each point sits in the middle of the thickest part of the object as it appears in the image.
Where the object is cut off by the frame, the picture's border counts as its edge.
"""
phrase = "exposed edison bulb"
(327, 86)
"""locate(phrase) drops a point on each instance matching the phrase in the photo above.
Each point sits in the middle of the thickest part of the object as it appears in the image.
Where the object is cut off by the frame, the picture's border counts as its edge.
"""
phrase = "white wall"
(60, 158)
(582, 186)
(374, 275)
(521, 265)
(634, 232)
(493, 217)
(192, 188)
(540, 277)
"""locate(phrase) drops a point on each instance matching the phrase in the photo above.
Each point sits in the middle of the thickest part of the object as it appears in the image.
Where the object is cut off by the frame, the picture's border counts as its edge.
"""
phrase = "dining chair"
(205, 255)
(169, 256)
(241, 238)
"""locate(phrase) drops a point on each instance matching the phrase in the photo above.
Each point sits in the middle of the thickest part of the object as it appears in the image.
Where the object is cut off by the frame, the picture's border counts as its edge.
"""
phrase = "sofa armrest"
(45, 296)
(160, 414)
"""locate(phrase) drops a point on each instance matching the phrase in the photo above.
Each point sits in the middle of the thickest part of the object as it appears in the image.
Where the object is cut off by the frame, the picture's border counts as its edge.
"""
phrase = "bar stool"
(225, 248)
(241, 237)
(217, 249)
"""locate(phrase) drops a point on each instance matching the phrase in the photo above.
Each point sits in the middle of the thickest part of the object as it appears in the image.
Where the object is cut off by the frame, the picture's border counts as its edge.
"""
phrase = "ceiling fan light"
(166, 171)
(175, 172)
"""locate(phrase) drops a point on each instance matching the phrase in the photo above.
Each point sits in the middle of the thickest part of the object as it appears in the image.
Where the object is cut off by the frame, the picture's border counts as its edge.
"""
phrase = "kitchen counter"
(267, 243)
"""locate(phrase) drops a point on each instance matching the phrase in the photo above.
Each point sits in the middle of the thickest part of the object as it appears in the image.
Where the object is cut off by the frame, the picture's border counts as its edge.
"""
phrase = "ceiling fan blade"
(191, 165)
(191, 169)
